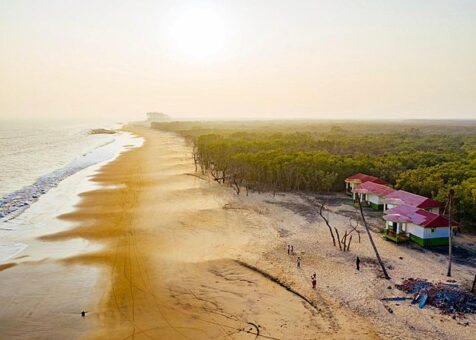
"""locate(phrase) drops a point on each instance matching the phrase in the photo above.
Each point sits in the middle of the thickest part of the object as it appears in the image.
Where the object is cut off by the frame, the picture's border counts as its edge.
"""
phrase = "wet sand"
(172, 259)
(6, 266)
(167, 253)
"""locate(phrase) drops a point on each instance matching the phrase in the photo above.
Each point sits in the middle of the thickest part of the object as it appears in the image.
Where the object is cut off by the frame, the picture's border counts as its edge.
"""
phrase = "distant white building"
(157, 117)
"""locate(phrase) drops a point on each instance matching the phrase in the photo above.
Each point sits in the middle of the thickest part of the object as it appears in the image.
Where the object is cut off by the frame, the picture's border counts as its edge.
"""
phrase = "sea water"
(37, 156)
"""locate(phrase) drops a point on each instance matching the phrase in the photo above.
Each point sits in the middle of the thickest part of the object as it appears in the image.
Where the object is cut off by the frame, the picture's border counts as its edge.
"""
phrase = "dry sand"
(171, 250)
(184, 258)
(361, 291)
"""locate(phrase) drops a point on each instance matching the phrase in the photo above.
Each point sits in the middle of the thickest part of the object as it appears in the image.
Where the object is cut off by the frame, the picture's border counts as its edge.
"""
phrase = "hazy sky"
(238, 59)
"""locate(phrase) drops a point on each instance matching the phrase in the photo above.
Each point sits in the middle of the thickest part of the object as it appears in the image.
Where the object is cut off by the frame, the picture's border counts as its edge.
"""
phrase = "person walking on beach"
(357, 263)
(298, 262)
(292, 249)
(314, 280)
(289, 249)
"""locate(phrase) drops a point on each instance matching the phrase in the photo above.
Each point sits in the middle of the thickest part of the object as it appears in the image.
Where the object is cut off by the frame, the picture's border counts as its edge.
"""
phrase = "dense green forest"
(427, 159)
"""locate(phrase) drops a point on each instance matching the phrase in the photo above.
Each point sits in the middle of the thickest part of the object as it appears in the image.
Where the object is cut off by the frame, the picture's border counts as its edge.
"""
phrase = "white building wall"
(389, 206)
(376, 199)
(437, 233)
(426, 233)
(416, 230)
(373, 198)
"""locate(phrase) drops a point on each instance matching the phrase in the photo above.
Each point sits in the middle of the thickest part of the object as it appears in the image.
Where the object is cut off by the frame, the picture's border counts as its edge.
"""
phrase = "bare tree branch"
(338, 238)
(326, 220)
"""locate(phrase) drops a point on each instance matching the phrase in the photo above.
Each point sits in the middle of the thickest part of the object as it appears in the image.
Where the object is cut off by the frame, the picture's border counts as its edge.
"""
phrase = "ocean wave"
(13, 204)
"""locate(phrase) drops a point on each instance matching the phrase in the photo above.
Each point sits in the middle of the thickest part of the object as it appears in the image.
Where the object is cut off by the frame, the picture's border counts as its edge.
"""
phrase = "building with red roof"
(352, 181)
(399, 197)
(405, 222)
(372, 194)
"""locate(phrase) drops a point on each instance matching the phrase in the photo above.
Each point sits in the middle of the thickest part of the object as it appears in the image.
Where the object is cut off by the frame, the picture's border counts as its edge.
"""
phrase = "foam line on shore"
(20, 227)
(15, 203)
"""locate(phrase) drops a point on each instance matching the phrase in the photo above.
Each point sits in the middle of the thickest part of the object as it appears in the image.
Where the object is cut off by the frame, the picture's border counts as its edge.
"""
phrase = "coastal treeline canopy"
(426, 160)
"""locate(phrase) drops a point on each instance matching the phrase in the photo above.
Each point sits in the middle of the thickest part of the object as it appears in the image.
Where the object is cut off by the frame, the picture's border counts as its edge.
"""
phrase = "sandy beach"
(174, 255)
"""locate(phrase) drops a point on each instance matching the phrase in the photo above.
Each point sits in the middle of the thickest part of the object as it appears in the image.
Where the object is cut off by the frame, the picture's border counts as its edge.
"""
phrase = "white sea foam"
(19, 227)
(57, 152)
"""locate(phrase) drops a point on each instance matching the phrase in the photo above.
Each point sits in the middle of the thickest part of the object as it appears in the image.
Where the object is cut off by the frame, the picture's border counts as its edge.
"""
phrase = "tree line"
(422, 162)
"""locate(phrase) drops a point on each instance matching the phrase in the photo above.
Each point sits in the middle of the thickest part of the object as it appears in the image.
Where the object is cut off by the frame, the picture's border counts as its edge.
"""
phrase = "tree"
(326, 220)
(450, 238)
(385, 274)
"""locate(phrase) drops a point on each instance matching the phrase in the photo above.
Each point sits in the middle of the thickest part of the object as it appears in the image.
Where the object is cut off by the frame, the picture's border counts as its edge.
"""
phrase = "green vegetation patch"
(426, 158)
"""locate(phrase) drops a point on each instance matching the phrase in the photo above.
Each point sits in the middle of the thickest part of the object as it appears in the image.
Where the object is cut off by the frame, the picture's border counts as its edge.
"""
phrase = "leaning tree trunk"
(321, 213)
(474, 284)
(385, 274)
(348, 244)
(450, 238)
(338, 238)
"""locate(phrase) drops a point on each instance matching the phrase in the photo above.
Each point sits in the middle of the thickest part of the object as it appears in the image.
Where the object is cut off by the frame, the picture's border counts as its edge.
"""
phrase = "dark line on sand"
(279, 282)
(6, 266)
(197, 176)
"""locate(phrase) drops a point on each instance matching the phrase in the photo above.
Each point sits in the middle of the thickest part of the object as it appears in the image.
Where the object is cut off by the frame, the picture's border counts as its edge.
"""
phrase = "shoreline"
(170, 255)
(17, 224)
(100, 151)
(35, 284)
(178, 256)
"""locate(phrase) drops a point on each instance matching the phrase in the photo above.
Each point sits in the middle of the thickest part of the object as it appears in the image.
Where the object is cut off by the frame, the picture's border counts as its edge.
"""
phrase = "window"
(433, 230)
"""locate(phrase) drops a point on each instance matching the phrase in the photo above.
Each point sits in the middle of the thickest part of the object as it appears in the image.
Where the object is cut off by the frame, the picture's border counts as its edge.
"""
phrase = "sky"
(257, 59)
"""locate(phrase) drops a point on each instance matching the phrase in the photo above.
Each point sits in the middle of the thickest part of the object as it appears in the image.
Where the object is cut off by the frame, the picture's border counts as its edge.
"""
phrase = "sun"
(198, 32)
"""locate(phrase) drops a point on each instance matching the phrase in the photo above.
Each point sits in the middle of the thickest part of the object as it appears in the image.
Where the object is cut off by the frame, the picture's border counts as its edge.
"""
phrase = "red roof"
(373, 189)
(426, 219)
(362, 178)
(414, 200)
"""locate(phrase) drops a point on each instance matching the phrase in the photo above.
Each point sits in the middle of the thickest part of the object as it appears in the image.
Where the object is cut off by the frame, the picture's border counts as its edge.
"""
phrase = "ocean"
(36, 156)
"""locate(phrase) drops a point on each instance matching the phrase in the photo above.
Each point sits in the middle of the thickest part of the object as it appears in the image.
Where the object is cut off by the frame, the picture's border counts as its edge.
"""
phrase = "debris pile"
(449, 298)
